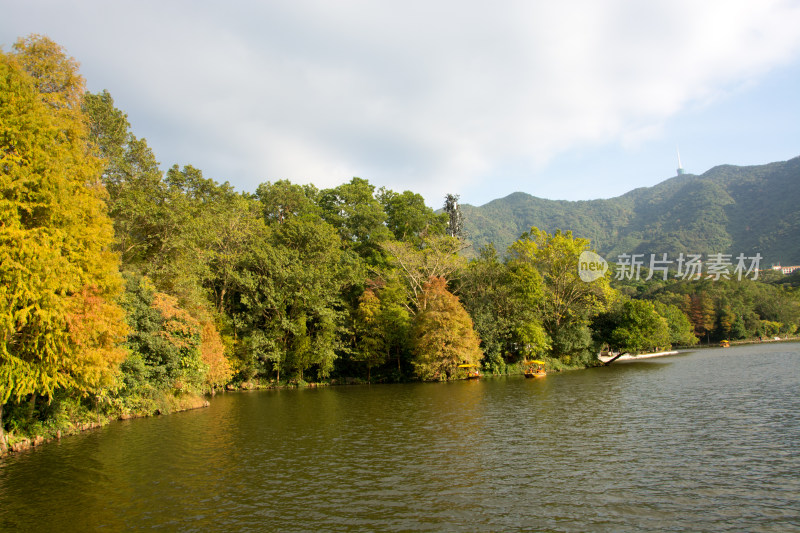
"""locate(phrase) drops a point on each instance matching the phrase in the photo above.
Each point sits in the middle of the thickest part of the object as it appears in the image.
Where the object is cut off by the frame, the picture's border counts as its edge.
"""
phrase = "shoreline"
(605, 359)
(15, 444)
(682, 349)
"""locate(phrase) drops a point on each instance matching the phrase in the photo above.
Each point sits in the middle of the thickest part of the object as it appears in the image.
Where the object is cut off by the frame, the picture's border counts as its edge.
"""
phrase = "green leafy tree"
(224, 228)
(108, 130)
(568, 303)
(680, 328)
(503, 300)
(443, 334)
(358, 216)
(639, 328)
(290, 291)
(193, 233)
(732, 308)
(283, 200)
(170, 350)
(263, 284)
(394, 321)
(137, 192)
(408, 218)
(370, 336)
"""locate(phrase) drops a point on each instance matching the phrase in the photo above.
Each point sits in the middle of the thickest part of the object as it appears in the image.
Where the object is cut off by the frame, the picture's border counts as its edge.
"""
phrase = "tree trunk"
(3, 447)
(620, 354)
(32, 406)
(221, 299)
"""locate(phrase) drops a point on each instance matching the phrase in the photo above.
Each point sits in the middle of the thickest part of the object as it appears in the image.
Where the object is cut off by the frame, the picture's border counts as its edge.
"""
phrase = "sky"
(567, 100)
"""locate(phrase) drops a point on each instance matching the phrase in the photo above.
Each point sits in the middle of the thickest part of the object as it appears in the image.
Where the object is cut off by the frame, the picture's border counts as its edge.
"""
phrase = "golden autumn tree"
(212, 353)
(443, 333)
(370, 332)
(181, 335)
(59, 324)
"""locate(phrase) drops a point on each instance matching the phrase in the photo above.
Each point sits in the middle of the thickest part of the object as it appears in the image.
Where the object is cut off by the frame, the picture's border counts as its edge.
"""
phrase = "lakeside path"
(628, 357)
(682, 349)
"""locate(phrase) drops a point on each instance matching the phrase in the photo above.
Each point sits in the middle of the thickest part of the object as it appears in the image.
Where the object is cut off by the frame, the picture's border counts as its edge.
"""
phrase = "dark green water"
(706, 441)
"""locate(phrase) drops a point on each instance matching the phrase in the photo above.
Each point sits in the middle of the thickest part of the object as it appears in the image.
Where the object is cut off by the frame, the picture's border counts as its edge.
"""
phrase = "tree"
(166, 342)
(108, 129)
(54, 75)
(283, 200)
(503, 300)
(435, 257)
(639, 328)
(455, 224)
(568, 303)
(702, 315)
(359, 218)
(443, 334)
(59, 324)
(680, 329)
(137, 193)
(370, 341)
(289, 293)
(408, 218)
(212, 354)
(393, 321)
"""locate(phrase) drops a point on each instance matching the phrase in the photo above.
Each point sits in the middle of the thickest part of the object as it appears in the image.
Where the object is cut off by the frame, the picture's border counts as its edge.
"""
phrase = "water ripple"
(700, 442)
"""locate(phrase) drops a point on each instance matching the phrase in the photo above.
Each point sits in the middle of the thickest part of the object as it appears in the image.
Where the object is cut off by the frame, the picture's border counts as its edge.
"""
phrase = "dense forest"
(126, 290)
(727, 210)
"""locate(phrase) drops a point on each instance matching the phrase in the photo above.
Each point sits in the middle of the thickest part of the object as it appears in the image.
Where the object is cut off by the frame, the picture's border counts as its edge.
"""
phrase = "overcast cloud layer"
(563, 99)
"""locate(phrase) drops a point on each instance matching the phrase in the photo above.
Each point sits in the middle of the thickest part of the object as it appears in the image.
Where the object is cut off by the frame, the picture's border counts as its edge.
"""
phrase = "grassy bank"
(34, 423)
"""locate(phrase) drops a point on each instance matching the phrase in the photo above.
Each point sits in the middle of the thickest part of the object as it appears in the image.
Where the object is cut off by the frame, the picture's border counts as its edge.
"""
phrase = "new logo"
(591, 266)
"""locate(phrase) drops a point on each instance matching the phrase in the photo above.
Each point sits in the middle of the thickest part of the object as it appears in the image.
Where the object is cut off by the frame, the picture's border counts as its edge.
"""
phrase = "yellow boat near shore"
(472, 371)
(535, 369)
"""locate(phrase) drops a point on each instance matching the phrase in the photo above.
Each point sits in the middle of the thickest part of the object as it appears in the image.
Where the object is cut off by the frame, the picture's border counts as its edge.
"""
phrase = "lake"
(702, 441)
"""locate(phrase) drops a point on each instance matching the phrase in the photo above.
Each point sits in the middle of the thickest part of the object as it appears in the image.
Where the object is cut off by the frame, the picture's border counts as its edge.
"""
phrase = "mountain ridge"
(728, 209)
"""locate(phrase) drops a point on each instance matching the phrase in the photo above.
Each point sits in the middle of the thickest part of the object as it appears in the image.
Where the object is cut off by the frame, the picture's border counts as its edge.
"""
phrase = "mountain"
(729, 209)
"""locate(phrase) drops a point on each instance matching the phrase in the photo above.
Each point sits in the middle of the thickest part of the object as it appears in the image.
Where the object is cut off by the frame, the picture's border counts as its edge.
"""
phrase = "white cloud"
(427, 96)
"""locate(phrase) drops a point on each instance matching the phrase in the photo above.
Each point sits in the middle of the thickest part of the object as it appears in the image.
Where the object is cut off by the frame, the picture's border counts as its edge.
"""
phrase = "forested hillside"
(728, 209)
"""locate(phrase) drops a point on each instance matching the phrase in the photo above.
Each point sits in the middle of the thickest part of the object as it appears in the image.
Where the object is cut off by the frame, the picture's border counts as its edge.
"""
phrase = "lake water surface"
(703, 441)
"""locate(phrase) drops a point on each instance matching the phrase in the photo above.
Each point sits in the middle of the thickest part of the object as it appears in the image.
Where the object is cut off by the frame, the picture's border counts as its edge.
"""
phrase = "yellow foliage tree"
(443, 333)
(59, 324)
(212, 353)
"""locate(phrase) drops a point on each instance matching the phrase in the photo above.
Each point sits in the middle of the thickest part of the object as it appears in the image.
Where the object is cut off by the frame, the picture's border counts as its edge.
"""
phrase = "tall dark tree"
(455, 225)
